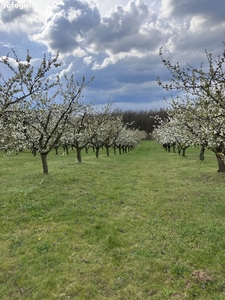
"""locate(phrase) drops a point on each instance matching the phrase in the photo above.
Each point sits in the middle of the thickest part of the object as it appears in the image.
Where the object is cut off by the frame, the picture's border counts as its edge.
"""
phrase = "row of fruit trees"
(41, 114)
(196, 116)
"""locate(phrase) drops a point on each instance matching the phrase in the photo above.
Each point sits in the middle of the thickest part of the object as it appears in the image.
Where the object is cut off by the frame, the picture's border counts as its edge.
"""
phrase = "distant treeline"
(142, 119)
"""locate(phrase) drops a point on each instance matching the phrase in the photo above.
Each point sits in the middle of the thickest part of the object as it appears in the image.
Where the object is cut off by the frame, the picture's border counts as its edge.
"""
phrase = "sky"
(117, 41)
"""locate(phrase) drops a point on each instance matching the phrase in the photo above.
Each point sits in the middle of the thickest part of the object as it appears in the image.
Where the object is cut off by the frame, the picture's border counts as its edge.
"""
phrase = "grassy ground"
(143, 225)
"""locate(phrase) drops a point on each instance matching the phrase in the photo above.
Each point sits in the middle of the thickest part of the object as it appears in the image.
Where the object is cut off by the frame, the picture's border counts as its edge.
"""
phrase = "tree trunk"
(114, 150)
(107, 150)
(44, 162)
(97, 152)
(183, 150)
(201, 155)
(67, 150)
(174, 149)
(56, 150)
(120, 152)
(34, 151)
(79, 154)
(220, 160)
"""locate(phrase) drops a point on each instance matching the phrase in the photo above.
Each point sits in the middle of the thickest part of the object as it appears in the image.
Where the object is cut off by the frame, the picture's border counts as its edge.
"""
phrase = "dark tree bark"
(220, 161)
(56, 150)
(44, 162)
(66, 149)
(220, 154)
(174, 148)
(124, 148)
(79, 155)
(97, 152)
(184, 150)
(34, 151)
(78, 149)
(201, 155)
(179, 149)
(107, 150)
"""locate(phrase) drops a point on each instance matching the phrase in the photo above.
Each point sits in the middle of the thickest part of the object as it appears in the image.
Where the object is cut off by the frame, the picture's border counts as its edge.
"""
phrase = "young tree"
(103, 123)
(46, 120)
(21, 82)
(80, 130)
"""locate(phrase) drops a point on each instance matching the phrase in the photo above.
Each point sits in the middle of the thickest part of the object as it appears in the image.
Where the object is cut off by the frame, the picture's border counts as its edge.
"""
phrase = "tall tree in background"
(140, 119)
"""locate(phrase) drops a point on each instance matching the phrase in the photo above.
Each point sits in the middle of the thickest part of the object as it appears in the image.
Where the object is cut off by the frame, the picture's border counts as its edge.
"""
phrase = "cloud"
(202, 14)
(74, 24)
(125, 29)
(88, 60)
(153, 105)
(68, 24)
(184, 8)
(194, 26)
(123, 21)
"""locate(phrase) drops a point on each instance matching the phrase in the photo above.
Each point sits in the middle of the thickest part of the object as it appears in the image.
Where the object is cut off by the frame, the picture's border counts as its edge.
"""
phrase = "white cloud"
(67, 25)
(74, 15)
(68, 70)
(88, 60)
(197, 24)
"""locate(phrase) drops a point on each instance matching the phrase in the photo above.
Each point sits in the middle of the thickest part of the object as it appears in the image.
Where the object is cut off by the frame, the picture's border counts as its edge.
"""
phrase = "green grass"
(131, 226)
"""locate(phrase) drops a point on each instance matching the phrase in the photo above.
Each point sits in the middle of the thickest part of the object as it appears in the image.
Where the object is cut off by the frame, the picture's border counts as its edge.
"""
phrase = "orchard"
(41, 114)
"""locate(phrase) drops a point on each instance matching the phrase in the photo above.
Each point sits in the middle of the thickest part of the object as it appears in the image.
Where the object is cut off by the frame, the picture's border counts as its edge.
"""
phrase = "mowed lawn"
(141, 225)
